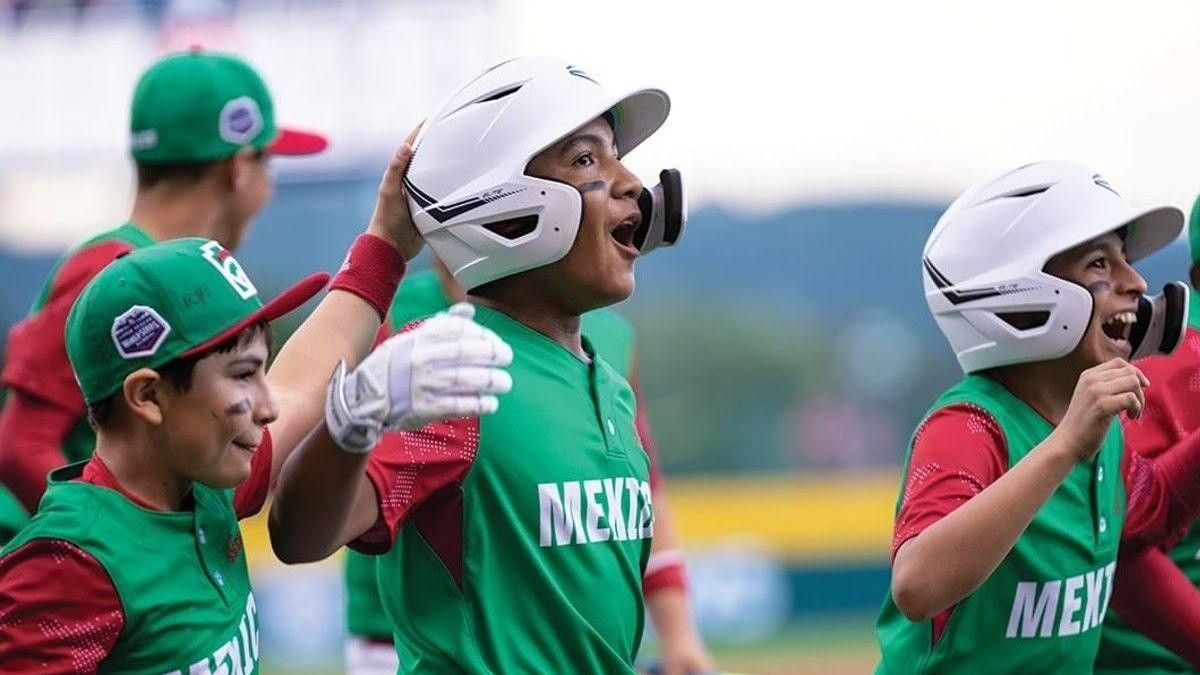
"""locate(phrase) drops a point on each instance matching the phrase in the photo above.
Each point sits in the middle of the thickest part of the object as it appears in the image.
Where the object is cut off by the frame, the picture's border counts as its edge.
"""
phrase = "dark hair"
(151, 174)
(178, 372)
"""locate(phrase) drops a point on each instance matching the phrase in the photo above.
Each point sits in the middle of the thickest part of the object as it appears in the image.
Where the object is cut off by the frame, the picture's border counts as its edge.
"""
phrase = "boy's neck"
(139, 470)
(1045, 386)
(520, 300)
(171, 212)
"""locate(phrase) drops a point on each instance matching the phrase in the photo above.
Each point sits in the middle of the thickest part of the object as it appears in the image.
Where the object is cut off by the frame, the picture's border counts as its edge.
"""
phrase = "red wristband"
(372, 271)
(664, 570)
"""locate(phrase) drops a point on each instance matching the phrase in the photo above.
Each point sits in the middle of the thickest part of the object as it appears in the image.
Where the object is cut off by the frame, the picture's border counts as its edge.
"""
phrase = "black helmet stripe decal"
(957, 297)
(448, 211)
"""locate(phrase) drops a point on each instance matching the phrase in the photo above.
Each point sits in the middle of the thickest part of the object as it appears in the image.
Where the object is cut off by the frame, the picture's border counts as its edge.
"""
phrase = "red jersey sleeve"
(249, 497)
(1163, 493)
(408, 468)
(1158, 600)
(36, 362)
(1170, 411)
(45, 402)
(957, 452)
(59, 612)
(31, 437)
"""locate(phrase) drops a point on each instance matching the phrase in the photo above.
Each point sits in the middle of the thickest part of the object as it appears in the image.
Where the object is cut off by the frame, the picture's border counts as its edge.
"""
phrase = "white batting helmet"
(468, 170)
(982, 265)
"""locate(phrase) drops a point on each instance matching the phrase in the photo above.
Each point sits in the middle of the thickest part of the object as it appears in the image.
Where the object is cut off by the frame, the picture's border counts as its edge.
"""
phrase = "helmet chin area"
(664, 212)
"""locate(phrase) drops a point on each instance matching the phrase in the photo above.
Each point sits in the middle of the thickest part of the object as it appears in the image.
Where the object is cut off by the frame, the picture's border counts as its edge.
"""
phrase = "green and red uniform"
(102, 582)
(1170, 416)
(548, 501)
(1042, 608)
(187, 108)
(421, 295)
(43, 423)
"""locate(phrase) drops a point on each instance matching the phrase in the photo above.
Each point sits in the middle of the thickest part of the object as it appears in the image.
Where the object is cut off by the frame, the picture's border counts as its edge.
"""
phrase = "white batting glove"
(448, 367)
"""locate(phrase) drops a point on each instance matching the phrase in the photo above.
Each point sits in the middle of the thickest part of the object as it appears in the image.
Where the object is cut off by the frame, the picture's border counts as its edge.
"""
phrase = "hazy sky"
(774, 102)
(777, 101)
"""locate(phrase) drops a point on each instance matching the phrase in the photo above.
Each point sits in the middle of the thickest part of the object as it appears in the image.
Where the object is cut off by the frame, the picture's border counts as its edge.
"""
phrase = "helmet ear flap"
(558, 209)
(985, 333)
(560, 216)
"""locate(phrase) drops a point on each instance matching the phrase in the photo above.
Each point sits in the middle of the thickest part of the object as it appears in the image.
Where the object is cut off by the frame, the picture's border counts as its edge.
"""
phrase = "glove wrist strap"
(352, 433)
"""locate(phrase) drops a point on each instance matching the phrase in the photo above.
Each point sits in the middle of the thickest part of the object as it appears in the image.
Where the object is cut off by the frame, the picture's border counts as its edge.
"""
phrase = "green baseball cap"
(162, 302)
(199, 106)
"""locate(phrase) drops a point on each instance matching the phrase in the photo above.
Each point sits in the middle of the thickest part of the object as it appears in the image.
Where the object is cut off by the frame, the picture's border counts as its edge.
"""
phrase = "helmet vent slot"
(500, 94)
(1024, 320)
(513, 228)
(1025, 192)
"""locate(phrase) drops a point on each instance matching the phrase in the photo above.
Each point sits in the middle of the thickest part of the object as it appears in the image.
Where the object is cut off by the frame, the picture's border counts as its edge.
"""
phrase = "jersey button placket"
(600, 399)
(210, 560)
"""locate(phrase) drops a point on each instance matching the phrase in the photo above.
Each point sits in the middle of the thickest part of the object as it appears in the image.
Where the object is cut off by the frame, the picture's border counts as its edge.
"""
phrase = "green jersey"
(12, 515)
(180, 576)
(1041, 610)
(420, 296)
(516, 542)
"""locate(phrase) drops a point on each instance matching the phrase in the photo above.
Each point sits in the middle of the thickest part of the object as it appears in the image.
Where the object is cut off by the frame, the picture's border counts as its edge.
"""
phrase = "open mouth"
(624, 233)
(1118, 326)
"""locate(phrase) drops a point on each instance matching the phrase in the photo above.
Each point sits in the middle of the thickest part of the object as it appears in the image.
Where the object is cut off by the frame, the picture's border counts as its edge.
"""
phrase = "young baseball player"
(1164, 613)
(134, 560)
(202, 132)
(517, 542)
(1017, 488)
(370, 649)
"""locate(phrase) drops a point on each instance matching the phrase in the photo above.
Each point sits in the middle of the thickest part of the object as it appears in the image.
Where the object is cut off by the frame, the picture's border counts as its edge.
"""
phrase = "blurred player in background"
(134, 561)
(519, 542)
(369, 649)
(1017, 488)
(202, 133)
(1172, 414)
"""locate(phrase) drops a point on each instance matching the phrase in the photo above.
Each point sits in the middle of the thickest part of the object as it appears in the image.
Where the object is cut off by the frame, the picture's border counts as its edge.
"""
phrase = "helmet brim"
(1152, 229)
(639, 115)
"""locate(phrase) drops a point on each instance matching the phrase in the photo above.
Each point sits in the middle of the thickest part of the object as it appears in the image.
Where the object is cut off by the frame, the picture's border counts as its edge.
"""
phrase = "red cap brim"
(278, 306)
(295, 142)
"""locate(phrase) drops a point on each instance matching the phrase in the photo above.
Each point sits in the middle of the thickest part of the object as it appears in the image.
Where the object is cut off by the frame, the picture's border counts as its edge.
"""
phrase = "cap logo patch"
(139, 331)
(229, 268)
(240, 120)
(144, 139)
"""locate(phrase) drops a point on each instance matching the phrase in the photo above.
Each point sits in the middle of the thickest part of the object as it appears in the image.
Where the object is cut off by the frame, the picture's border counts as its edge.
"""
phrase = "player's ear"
(239, 167)
(141, 392)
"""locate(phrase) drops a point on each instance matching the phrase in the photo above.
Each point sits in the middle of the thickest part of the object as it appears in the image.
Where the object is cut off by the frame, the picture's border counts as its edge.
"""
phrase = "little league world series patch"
(139, 331)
